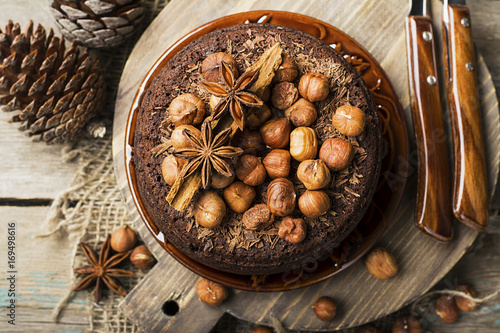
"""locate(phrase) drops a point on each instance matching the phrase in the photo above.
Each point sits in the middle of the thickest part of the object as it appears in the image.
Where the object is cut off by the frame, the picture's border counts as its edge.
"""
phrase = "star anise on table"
(233, 94)
(101, 270)
(207, 153)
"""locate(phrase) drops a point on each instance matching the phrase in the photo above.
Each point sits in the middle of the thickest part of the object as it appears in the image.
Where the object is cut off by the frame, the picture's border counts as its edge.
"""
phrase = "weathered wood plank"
(362, 298)
(43, 274)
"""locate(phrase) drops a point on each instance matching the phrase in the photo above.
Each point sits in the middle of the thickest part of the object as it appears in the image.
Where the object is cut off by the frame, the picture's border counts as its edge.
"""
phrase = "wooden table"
(31, 175)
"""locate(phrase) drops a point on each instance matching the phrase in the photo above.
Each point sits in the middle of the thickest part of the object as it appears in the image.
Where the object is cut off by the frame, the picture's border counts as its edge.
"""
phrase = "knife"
(470, 190)
(433, 213)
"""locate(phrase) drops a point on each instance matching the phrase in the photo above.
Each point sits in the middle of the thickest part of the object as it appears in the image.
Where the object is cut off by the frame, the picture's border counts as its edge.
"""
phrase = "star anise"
(101, 270)
(207, 153)
(232, 94)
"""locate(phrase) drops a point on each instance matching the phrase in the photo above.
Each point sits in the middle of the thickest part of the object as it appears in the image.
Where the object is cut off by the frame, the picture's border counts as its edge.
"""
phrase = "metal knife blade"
(470, 190)
(433, 213)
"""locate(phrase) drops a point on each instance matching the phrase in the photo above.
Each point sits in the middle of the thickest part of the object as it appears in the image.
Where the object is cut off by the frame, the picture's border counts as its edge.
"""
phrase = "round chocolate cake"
(292, 174)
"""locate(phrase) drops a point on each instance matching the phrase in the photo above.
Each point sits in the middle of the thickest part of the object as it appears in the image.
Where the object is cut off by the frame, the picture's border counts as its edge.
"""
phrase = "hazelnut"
(325, 308)
(250, 141)
(250, 170)
(276, 132)
(123, 239)
(303, 143)
(170, 168)
(258, 116)
(258, 217)
(209, 209)
(292, 230)
(337, 153)
(239, 196)
(381, 263)
(463, 303)
(349, 120)
(287, 71)
(406, 324)
(281, 197)
(314, 174)
(210, 66)
(210, 292)
(220, 181)
(313, 204)
(446, 308)
(277, 163)
(178, 138)
(284, 95)
(261, 329)
(186, 109)
(302, 113)
(314, 87)
(142, 258)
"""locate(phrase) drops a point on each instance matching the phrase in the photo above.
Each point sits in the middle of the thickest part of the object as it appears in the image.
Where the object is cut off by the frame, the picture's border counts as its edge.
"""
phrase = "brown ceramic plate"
(390, 188)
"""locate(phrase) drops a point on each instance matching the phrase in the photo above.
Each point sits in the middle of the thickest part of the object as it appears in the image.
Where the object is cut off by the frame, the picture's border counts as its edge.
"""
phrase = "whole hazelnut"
(313, 204)
(210, 66)
(325, 308)
(447, 309)
(284, 95)
(178, 138)
(258, 217)
(261, 329)
(302, 113)
(314, 87)
(142, 258)
(287, 71)
(170, 169)
(314, 174)
(210, 292)
(303, 144)
(337, 153)
(349, 120)
(381, 263)
(258, 116)
(220, 181)
(292, 230)
(250, 170)
(281, 197)
(406, 324)
(186, 109)
(239, 196)
(209, 209)
(249, 140)
(277, 163)
(276, 132)
(123, 239)
(463, 303)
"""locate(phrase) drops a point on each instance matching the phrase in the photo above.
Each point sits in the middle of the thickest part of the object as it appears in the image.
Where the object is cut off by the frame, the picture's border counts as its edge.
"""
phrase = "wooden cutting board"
(360, 297)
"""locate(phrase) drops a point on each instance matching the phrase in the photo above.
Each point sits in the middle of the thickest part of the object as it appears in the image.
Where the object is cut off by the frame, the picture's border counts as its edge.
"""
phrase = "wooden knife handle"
(433, 214)
(470, 190)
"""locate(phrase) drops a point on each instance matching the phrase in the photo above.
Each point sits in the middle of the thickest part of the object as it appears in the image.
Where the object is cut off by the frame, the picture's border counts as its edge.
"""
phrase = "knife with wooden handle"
(433, 213)
(470, 190)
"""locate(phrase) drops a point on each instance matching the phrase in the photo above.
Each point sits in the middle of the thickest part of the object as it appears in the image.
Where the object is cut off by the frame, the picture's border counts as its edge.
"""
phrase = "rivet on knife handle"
(433, 214)
(470, 190)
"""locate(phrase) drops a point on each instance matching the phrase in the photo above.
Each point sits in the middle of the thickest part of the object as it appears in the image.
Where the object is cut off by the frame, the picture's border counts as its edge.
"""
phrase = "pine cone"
(57, 91)
(97, 23)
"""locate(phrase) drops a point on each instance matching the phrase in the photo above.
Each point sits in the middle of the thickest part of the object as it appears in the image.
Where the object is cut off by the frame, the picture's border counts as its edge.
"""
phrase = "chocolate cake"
(234, 246)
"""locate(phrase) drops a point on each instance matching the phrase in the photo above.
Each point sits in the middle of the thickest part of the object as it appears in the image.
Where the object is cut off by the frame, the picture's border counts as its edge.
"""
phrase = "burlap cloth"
(93, 207)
